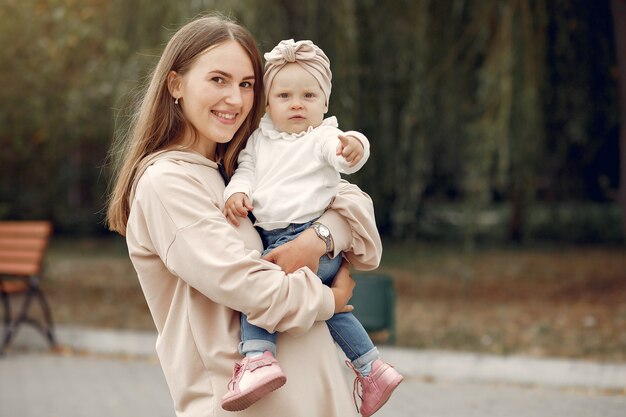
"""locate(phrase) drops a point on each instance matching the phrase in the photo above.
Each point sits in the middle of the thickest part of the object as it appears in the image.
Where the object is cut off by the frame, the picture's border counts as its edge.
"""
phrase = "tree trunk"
(618, 8)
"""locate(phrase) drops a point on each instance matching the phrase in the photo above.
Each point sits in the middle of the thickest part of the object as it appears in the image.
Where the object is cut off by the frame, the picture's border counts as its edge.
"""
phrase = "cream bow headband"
(304, 53)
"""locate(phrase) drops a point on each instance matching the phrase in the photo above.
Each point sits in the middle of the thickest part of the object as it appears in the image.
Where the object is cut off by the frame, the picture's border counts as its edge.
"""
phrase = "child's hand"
(237, 205)
(351, 149)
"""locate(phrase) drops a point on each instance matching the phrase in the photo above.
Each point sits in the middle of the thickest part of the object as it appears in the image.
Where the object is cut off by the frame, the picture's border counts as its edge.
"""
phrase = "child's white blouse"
(292, 178)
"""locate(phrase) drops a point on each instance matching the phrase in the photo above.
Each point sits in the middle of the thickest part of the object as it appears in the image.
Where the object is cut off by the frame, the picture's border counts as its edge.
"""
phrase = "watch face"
(323, 230)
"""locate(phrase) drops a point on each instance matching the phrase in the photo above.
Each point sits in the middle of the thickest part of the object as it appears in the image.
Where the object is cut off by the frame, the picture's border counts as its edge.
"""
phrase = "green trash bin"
(374, 301)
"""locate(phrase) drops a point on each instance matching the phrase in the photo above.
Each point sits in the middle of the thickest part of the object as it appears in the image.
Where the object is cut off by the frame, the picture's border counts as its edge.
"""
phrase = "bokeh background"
(495, 167)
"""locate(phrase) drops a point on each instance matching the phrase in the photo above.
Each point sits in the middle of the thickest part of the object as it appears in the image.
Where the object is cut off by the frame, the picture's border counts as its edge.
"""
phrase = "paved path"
(119, 383)
(46, 385)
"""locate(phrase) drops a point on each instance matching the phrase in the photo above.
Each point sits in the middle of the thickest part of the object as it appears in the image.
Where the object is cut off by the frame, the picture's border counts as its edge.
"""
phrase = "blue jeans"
(345, 329)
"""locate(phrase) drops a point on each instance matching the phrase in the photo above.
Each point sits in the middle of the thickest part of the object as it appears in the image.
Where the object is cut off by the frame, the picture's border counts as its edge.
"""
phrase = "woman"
(196, 270)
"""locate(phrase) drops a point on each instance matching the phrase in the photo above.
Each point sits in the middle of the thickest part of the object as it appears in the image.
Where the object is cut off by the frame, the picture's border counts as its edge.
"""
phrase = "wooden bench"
(22, 248)
(374, 301)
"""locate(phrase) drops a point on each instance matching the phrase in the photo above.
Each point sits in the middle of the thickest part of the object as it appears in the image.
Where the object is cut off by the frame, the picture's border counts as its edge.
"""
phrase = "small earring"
(176, 101)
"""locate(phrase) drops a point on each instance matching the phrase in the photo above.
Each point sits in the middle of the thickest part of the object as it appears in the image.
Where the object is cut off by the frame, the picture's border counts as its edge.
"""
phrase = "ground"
(567, 302)
(539, 301)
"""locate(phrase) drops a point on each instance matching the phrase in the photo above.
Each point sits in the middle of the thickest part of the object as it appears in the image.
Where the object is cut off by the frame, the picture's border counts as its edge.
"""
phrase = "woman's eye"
(218, 80)
(247, 84)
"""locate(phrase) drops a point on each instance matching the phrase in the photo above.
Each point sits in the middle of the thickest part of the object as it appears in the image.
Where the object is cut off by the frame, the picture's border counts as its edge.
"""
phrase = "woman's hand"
(305, 250)
(342, 287)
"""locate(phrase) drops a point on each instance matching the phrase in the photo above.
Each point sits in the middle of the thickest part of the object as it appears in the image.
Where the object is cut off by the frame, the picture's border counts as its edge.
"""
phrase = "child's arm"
(346, 152)
(238, 192)
(351, 149)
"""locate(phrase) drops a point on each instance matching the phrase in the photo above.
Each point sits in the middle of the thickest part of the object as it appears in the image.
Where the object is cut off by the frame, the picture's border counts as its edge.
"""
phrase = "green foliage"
(576, 222)
(55, 107)
(464, 101)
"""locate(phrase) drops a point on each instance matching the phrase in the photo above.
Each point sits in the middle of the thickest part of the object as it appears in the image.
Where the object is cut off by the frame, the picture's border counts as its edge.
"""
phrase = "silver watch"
(323, 233)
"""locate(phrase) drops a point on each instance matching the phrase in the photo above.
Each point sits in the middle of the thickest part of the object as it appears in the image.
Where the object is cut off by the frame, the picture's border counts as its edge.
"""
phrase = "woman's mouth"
(225, 116)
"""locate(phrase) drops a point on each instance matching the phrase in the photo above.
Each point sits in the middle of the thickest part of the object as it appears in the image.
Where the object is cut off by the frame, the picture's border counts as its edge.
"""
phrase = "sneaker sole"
(385, 397)
(246, 399)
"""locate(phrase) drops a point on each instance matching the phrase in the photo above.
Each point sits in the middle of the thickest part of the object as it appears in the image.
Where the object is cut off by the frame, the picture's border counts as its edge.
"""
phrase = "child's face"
(296, 101)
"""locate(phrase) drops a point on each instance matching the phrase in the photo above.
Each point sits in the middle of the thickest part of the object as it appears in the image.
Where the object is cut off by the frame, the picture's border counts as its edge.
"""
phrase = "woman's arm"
(351, 221)
(353, 226)
(199, 246)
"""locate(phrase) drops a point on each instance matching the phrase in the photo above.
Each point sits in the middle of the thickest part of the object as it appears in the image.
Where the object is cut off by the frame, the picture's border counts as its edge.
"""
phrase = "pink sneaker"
(377, 387)
(252, 380)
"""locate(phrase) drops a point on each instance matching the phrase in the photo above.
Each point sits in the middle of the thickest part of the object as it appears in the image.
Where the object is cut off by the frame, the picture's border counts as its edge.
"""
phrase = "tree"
(469, 105)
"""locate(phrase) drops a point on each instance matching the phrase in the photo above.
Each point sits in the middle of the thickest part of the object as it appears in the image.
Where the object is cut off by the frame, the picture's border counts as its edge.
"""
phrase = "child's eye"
(309, 95)
(283, 95)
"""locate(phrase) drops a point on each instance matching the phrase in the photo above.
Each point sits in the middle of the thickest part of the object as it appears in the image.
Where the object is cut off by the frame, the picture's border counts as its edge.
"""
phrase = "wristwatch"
(324, 234)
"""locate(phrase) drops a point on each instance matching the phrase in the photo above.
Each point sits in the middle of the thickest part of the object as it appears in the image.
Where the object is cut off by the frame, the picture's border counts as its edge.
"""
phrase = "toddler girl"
(288, 174)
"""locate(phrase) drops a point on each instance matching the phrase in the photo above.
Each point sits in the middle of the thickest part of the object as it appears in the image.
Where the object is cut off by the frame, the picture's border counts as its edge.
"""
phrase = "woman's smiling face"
(216, 95)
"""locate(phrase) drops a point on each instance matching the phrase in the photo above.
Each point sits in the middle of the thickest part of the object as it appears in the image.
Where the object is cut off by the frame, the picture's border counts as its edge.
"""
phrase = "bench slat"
(20, 269)
(30, 244)
(25, 229)
(12, 287)
(21, 256)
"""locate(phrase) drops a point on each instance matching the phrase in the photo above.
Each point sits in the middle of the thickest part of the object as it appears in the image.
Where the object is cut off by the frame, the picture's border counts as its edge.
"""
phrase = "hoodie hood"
(184, 156)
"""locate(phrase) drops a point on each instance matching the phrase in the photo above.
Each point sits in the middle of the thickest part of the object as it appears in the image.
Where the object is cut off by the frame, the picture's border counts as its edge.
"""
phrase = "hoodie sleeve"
(351, 221)
(198, 245)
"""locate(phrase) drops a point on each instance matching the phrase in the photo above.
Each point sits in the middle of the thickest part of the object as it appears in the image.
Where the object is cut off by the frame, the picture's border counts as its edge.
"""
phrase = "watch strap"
(327, 238)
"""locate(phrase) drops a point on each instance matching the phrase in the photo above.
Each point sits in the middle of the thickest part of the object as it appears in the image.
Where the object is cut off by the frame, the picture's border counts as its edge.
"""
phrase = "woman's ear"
(173, 84)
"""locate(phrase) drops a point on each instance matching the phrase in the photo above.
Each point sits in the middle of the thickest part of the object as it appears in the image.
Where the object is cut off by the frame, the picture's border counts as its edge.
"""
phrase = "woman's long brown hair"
(157, 122)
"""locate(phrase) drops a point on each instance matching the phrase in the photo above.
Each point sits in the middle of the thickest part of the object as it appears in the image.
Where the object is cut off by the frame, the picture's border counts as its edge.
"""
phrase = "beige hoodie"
(197, 271)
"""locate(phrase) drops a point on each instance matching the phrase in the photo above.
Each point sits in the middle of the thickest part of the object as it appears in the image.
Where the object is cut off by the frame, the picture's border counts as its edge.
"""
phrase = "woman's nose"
(234, 95)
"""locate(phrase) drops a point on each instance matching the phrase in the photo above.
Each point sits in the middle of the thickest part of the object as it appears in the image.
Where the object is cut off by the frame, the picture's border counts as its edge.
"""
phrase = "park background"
(495, 167)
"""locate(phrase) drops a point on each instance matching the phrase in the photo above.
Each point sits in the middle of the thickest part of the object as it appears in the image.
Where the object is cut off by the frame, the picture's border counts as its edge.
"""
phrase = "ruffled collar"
(268, 129)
